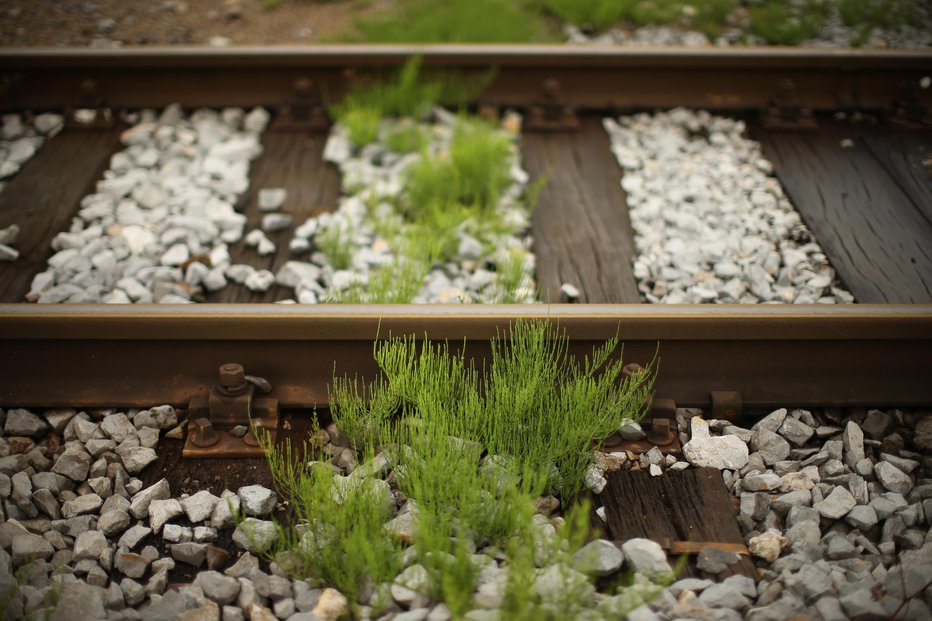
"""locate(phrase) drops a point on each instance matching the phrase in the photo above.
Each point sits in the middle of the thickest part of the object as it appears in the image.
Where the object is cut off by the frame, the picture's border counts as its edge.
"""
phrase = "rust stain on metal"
(726, 405)
(230, 403)
(695, 547)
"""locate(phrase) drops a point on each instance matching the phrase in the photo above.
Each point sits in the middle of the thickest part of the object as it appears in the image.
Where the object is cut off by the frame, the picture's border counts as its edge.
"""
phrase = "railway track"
(867, 206)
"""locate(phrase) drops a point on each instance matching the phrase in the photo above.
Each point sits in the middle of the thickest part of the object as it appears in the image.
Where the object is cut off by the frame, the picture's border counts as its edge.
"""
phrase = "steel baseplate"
(228, 445)
(229, 422)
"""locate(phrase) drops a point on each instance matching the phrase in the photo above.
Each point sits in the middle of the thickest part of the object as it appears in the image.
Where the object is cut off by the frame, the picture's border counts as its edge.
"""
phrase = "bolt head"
(232, 375)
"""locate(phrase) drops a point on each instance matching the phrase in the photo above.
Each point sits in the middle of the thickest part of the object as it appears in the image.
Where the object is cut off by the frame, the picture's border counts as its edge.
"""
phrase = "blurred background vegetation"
(776, 22)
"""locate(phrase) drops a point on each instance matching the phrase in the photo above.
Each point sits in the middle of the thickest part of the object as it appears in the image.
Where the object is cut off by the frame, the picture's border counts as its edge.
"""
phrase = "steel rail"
(582, 77)
(94, 356)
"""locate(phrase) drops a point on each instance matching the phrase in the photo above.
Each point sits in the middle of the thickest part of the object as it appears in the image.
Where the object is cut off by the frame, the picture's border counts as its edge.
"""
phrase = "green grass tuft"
(595, 14)
(470, 451)
(407, 138)
(334, 241)
(337, 537)
(535, 403)
(454, 21)
(473, 173)
(780, 23)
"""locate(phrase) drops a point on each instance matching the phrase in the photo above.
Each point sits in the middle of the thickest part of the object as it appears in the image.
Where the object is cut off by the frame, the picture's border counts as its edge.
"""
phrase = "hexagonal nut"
(232, 375)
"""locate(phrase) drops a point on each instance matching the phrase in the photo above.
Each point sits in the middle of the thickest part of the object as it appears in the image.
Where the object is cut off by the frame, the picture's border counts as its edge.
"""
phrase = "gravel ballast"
(21, 137)
(711, 222)
(829, 542)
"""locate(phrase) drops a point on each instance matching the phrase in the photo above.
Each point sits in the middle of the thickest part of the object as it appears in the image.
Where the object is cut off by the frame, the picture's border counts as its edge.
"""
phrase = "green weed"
(407, 138)
(474, 172)
(335, 242)
(780, 23)
(511, 280)
(407, 94)
(865, 15)
(396, 283)
(337, 537)
(535, 404)
(470, 461)
(454, 21)
(594, 14)
(362, 122)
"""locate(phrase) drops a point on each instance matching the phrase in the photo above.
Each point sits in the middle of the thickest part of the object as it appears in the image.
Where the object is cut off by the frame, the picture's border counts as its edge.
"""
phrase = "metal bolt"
(660, 433)
(232, 376)
(631, 369)
(202, 433)
(257, 429)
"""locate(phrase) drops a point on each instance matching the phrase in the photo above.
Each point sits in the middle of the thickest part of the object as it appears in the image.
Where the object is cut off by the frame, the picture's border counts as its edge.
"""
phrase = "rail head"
(772, 356)
(590, 77)
(251, 322)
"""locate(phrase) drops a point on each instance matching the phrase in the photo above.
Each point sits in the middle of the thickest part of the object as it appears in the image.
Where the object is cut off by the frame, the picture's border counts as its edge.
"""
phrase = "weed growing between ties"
(408, 95)
(455, 21)
(428, 189)
(707, 16)
(469, 453)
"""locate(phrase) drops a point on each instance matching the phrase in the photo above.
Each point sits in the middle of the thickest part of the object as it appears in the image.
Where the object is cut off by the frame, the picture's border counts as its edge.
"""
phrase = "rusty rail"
(603, 78)
(770, 355)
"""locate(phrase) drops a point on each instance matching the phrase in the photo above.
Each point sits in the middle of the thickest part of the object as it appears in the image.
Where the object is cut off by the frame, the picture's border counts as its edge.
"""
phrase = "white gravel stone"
(711, 224)
(257, 500)
(136, 458)
(892, 477)
(255, 535)
(89, 545)
(274, 222)
(139, 507)
(160, 511)
(599, 557)
(200, 506)
(260, 280)
(20, 422)
(294, 273)
(271, 199)
(720, 452)
(646, 557)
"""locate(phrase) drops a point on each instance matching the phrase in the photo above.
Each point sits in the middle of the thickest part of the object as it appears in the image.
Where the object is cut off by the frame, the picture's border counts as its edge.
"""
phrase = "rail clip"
(226, 423)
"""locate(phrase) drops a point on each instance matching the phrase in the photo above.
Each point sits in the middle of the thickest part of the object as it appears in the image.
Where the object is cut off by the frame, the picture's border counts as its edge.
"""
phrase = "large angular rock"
(255, 535)
(135, 458)
(112, 523)
(80, 601)
(190, 553)
(836, 505)
(771, 446)
(221, 589)
(797, 432)
(200, 506)
(722, 452)
(28, 547)
(892, 478)
(87, 503)
(89, 545)
(599, 558)
(118, 427)
(59, 418)
(20, 422)
(257, 500)
(646, 557)
(160, 511)
(853, 442)
(74, 463)
(139, 507)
